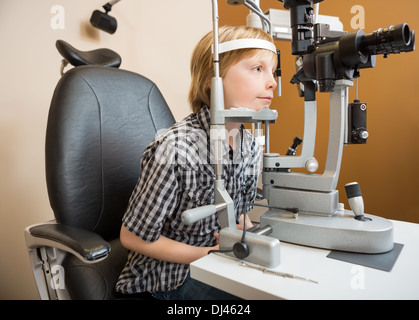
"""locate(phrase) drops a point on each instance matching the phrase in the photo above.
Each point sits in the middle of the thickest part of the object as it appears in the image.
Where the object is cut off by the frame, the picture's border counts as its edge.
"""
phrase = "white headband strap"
(246, 44)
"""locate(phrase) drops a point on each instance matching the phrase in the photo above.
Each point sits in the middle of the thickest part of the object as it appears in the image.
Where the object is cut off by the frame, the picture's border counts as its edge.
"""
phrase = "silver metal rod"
(215, 36)
(267, 142)
(278, 273)
(112, 2)
(264, 231)
(256, 9)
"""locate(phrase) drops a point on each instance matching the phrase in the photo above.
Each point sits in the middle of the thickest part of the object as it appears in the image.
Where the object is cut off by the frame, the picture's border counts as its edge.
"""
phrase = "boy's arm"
(163, 248)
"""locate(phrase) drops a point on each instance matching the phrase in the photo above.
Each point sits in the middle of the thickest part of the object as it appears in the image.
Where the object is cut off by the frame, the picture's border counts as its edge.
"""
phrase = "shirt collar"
(204, 118)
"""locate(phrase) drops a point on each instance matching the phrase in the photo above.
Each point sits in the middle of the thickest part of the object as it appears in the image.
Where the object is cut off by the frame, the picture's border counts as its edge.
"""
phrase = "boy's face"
(250, 83)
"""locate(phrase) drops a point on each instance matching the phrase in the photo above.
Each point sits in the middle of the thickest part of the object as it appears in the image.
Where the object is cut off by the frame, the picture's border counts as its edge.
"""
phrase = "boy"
(177, 174)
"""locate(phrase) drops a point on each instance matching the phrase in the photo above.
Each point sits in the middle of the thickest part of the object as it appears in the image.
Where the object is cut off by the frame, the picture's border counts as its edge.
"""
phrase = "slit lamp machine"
(304, 208)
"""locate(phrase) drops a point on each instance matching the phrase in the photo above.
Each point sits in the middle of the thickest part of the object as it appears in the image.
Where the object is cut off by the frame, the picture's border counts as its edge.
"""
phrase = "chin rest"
(100, 121)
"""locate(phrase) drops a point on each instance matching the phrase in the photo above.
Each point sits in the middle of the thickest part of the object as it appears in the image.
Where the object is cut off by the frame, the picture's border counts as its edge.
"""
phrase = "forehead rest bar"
(245, 44)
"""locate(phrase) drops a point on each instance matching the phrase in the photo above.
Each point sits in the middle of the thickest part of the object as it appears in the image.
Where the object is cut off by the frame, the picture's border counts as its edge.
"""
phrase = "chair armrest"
(86, 245)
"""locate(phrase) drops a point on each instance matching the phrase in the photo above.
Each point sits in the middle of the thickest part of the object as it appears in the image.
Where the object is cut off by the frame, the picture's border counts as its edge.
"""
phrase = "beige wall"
(154, 38)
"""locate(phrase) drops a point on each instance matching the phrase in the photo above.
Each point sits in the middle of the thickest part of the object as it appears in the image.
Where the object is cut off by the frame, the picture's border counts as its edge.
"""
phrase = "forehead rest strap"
(246, 44)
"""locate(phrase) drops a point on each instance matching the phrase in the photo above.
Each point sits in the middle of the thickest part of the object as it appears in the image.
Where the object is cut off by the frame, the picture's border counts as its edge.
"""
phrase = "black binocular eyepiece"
(331, 59)
(330, 56)
(394, 39)
(356, 48)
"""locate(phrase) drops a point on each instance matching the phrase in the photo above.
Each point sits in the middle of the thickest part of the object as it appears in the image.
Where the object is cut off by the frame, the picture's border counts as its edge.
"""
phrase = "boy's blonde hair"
(202, 69)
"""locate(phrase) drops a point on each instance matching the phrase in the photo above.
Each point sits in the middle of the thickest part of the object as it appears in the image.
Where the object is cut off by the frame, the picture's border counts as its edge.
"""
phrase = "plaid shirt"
(177, 174)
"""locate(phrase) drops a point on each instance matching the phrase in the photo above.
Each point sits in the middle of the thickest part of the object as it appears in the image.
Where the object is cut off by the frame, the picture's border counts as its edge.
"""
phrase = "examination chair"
(99, 123)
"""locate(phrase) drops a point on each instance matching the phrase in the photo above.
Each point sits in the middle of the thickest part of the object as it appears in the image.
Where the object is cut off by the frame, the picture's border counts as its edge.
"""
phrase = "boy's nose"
(271, 82)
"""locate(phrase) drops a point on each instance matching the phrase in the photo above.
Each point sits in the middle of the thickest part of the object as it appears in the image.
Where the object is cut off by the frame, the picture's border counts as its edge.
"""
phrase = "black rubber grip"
(353, 190)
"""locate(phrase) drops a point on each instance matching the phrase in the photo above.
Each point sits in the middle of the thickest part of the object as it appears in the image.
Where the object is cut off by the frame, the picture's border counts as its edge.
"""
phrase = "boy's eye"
(258, 68)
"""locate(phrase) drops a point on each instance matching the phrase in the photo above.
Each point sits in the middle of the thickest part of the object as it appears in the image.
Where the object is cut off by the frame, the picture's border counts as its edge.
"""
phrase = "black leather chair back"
(100, 121)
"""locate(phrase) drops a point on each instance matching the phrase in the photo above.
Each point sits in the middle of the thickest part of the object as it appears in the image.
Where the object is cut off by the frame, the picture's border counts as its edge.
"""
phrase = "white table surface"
(336, 279)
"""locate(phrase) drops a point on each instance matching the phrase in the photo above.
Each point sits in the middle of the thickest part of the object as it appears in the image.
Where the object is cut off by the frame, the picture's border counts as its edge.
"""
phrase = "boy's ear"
(208, 85)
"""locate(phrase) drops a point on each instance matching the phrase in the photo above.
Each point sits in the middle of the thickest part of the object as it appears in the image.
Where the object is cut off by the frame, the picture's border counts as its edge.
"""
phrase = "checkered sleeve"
(155, 195)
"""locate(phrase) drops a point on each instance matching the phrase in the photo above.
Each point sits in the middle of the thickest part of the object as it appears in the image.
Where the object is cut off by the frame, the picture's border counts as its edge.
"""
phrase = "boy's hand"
(217, 236)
